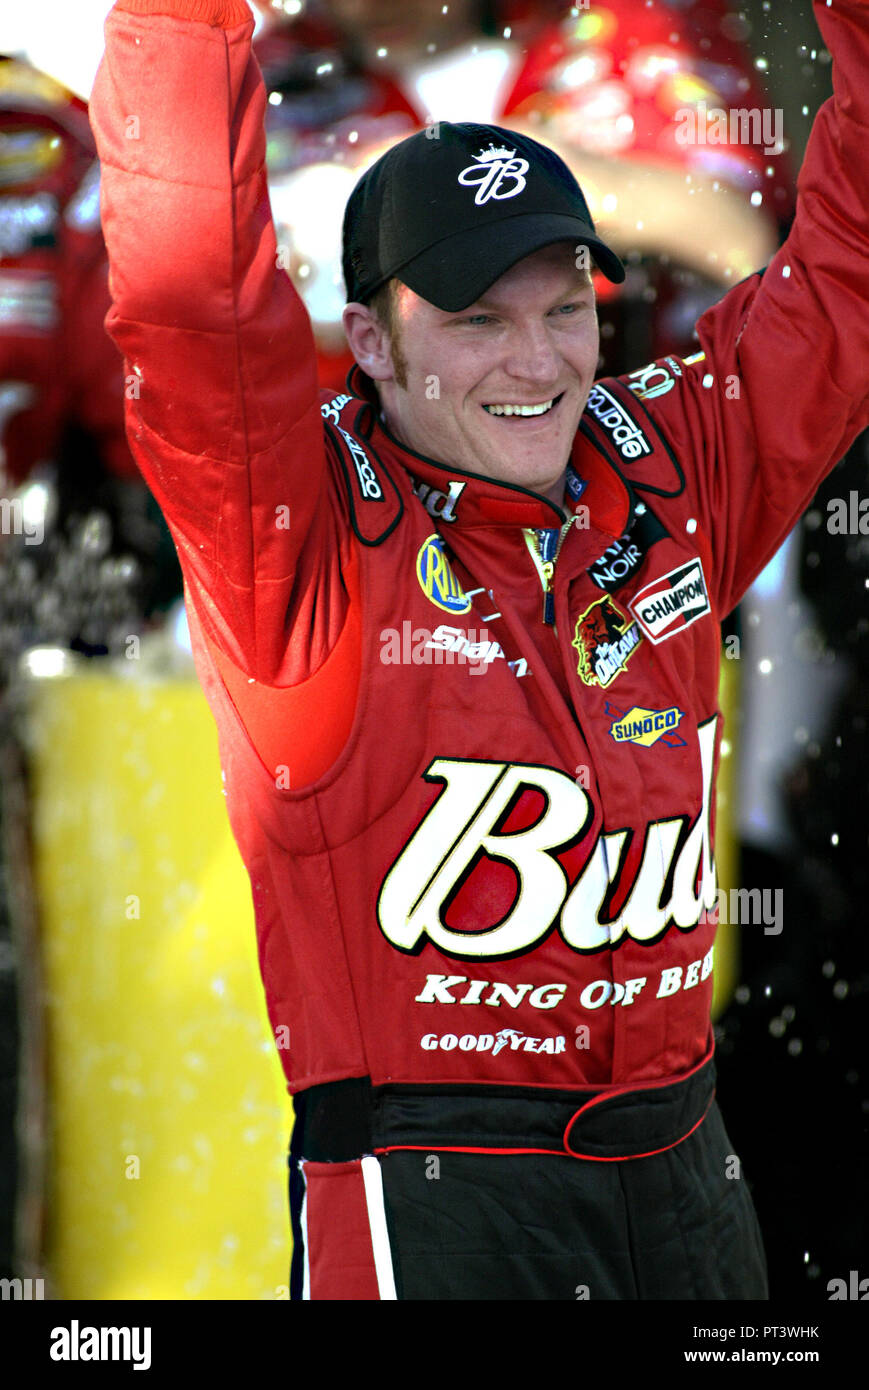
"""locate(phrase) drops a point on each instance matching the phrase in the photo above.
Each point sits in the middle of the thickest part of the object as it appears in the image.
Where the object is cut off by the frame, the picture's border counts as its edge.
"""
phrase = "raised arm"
(222, 408)
(783, 387)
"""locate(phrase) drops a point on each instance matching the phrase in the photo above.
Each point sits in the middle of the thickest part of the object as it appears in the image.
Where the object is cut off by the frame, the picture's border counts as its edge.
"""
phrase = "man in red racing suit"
(469, 735)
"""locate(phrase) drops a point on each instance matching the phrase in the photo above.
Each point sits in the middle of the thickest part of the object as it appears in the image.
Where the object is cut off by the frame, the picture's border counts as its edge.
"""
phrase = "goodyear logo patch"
(437, 580)
(605, 639)
(646, 726)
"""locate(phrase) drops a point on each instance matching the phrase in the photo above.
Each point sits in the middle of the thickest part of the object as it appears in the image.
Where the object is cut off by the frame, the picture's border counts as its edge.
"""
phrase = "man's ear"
(369, 341)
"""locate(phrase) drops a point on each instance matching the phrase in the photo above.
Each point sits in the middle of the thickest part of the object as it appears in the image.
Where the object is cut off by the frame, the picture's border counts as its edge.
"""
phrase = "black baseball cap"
(450, 209)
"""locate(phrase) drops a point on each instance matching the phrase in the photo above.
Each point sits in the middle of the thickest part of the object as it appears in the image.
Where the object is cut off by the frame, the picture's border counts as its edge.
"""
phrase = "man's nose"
(532, 355)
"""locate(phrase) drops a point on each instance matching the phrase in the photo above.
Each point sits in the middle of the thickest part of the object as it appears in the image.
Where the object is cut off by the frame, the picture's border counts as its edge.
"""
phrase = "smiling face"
(512, 372)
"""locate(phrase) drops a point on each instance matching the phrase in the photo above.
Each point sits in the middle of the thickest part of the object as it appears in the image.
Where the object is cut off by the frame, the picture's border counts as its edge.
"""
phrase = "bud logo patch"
(653, 380)
(469, 824)
(439, 505)
(605, 639)
(671, 603)
(645, 726)
(497, 172)
(437, 580)
(331, 410)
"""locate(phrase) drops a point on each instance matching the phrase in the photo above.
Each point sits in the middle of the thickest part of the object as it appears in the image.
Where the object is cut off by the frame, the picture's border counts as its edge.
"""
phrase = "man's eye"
(477, 318)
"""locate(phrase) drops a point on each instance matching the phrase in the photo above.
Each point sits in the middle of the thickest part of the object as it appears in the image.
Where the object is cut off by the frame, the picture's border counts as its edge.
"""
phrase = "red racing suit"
(473, 784)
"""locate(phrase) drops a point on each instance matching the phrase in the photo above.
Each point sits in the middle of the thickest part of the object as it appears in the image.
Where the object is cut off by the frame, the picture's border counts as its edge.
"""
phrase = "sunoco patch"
(645, 726)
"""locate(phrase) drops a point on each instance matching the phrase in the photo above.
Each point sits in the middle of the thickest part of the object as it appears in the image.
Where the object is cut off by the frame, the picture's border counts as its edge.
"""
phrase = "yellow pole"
(168, 1111)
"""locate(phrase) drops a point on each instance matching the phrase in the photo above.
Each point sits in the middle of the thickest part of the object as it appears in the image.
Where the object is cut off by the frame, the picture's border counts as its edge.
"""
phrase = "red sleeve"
(222, 409)
(95, 386)
(783, 387)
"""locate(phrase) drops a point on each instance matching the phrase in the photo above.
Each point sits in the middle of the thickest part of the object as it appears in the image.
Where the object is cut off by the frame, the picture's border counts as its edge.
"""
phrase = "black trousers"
(677, 1223)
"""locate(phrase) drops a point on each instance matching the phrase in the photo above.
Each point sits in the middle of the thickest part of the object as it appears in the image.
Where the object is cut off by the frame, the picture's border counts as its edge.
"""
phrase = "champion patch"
(437, 580)
(605, 640)
(646, 726)
(671, 603)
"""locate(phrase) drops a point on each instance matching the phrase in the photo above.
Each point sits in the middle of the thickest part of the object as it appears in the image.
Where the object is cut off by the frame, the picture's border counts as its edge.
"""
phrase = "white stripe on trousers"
(303, 1222)
(373, 1179)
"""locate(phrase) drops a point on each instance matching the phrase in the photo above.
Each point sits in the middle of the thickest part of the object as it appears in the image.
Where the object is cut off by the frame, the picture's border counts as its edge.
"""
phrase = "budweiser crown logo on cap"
(448, 215)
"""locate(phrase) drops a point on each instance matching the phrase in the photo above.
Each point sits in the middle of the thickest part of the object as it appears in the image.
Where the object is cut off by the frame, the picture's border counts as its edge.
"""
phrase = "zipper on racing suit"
(544, 547)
